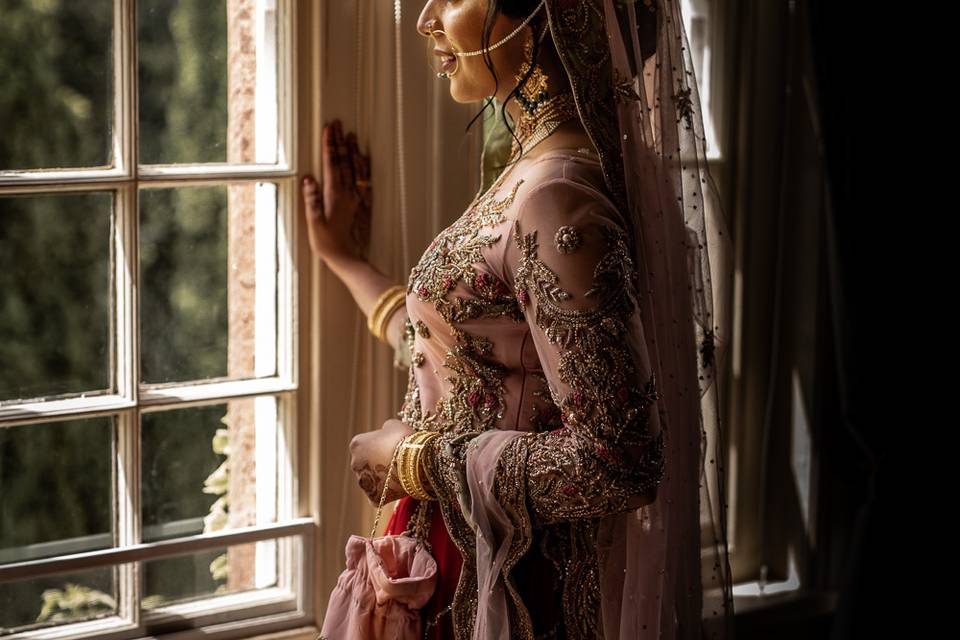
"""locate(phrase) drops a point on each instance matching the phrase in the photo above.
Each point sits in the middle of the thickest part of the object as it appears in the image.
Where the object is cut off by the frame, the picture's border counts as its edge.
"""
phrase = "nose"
(427, 22)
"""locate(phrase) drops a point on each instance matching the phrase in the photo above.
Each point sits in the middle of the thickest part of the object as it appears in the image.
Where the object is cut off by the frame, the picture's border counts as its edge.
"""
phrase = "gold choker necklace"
(550, 114)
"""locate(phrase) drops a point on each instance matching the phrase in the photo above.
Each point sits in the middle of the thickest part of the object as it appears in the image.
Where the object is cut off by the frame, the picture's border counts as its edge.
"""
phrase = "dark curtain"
(861, 527)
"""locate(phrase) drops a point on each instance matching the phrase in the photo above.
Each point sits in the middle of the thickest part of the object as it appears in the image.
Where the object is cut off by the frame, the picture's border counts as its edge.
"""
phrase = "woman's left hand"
(371, 454)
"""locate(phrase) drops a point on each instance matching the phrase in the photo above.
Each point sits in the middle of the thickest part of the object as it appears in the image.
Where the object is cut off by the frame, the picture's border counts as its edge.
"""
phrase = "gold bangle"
(380, 326)
(384, 308)
(405, 469)
(385, 296)
(428, 460)
(406, 466)
(409, 466)
(388, 302)
(425, 454)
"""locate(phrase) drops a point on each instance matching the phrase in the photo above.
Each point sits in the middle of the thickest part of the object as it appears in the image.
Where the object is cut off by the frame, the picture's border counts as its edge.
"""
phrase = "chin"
(465, 93)
(463, 97)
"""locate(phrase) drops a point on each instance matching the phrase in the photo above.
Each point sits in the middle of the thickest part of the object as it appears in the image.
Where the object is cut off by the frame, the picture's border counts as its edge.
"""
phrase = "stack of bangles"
(388, 302)
(413, 455)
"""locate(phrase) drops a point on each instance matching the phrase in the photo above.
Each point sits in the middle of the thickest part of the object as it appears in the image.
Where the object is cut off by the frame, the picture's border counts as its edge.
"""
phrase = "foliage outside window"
(147, 440)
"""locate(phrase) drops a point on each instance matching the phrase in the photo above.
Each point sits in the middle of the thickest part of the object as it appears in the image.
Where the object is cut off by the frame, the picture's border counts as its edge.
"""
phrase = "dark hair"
(511, 9)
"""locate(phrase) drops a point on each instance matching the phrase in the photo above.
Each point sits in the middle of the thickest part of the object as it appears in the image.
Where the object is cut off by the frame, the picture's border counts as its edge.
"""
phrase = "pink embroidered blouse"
(522, 316)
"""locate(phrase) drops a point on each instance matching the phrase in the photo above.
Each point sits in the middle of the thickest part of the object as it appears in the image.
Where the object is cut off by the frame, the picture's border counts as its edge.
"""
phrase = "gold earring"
(534, 92)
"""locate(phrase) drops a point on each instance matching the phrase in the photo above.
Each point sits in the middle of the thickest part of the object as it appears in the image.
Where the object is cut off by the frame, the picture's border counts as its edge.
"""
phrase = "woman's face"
(462, 24)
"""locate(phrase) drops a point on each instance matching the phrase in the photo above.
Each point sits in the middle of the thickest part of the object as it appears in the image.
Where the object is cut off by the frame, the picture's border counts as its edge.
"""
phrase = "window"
(147, 324)
(703, 23)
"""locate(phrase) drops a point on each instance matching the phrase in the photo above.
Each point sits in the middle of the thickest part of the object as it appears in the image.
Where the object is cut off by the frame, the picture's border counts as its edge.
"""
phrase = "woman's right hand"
(338, 213)
(371, 456)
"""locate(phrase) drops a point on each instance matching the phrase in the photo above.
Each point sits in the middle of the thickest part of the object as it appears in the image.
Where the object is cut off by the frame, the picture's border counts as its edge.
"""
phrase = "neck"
(571, 132)
(554, 125)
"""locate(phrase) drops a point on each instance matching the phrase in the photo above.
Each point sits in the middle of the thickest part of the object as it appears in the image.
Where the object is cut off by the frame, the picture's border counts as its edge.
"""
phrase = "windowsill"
(752, 612)
(300, 633)
(781, 606)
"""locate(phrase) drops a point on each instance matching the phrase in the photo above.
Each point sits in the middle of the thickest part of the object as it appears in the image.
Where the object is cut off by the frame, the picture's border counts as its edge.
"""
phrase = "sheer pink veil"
(664, 569)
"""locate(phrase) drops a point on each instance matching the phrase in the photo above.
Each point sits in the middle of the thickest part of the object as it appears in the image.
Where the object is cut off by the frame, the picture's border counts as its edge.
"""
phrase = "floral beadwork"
(624, 89)
(604, 454)
(567, 239)
(451, 258)
(684, 105)
(588, 450)
(422, 330)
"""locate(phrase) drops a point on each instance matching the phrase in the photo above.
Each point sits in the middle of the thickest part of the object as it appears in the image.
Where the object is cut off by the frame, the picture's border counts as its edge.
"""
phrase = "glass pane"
(55, 275)
(57, 69)
(208, 282)
(66, 468)
(57, 599)
(209, 468)
(228, 569)
(208, 81)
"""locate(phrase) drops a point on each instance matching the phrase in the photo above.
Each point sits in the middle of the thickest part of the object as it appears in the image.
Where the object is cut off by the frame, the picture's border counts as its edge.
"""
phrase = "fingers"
(344, 163)
(312, 198)
(356, 159)
(329, 156)
(362, 171)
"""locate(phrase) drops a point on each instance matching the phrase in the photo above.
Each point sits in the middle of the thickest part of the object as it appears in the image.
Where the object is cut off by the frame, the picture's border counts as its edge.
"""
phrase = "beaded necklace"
(531, 130)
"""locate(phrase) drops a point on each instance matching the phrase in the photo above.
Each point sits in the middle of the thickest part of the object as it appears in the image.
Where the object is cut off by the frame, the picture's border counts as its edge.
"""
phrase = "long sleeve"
(569, 264)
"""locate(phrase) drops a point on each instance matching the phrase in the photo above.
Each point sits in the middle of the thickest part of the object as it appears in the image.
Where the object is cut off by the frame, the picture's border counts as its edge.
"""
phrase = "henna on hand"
(371, 480)
(371, 453)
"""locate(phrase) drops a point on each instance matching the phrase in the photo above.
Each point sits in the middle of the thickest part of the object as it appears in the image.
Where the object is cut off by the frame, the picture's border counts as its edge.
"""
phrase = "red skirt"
(536, 577)
(449, 562)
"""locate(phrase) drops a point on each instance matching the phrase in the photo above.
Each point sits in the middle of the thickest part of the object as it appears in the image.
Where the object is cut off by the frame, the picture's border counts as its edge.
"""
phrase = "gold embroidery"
(604, 454)
(451, 257)
(545, 415)
(579, 26)
(422, 329)
(475, 401)
(410, 411)
(623, 88)
(567, 239)
(581, 586)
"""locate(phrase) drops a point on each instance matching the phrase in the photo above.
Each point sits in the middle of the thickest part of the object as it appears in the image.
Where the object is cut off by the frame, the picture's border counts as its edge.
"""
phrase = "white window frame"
(708, 78)
(289, 604)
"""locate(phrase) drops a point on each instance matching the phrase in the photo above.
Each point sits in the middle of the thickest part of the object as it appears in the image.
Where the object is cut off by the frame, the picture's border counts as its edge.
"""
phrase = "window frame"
(290, 603)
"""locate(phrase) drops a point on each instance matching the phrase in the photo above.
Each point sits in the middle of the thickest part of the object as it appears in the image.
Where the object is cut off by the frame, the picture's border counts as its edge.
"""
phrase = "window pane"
(66, 468)
(229, 569)
(55, 275)
(56, 65)
(208, 282)
(209, 468)
(58, 599)
(208, 87)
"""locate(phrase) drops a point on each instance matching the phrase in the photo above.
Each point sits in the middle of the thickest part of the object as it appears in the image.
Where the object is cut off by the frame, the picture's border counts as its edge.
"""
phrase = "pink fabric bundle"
(379, 595)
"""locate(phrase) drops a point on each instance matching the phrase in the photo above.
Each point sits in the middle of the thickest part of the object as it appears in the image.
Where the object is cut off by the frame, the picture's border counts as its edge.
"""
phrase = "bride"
(559, 334)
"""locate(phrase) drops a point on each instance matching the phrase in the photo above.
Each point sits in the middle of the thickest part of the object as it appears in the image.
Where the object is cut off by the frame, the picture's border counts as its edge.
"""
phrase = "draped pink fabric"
(395, 582)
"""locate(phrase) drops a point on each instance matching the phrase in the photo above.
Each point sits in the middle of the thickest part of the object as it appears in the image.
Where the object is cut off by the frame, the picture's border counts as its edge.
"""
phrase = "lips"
(448, 60)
